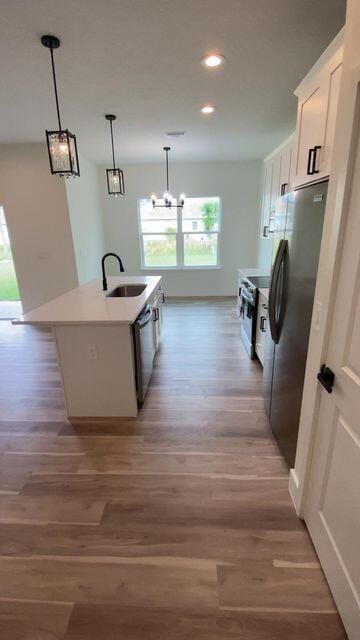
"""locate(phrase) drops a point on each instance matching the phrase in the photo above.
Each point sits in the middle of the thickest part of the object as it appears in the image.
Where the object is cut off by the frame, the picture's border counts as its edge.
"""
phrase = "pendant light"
(168, 199)
(61, 144)
(115, 176)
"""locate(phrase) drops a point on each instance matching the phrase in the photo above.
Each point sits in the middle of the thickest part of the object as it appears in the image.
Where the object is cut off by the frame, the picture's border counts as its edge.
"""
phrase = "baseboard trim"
(295, 492)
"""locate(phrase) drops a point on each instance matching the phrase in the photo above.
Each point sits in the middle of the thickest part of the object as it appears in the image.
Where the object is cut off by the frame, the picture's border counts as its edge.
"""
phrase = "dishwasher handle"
(144, 318)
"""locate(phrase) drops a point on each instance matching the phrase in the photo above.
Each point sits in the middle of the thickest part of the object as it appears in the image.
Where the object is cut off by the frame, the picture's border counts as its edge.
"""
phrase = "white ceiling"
(140, 59)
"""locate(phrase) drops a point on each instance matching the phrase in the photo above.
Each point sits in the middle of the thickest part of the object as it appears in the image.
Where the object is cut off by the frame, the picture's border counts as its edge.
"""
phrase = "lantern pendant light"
(167, 197)
(115, 176)
(61, 144)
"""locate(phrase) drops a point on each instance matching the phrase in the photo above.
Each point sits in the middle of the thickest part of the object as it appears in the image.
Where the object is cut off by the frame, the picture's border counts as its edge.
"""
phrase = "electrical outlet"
(93, 352)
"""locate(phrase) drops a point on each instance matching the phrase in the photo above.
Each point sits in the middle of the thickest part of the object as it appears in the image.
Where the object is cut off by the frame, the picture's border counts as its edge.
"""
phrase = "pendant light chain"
(55, 86)
(112, 143)
(167, 168)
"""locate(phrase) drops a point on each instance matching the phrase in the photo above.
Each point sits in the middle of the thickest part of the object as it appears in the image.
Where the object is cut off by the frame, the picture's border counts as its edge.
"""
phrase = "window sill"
(208, 268)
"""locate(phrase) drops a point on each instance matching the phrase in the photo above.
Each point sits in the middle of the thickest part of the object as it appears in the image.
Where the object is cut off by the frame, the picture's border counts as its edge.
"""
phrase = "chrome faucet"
(104, 281)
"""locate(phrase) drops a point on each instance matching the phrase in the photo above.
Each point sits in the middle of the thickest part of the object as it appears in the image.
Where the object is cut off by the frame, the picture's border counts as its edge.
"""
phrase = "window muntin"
(180, 238)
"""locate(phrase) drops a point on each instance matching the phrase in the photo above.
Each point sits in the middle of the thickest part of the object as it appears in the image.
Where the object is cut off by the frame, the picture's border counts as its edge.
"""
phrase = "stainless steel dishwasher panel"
(144, 351)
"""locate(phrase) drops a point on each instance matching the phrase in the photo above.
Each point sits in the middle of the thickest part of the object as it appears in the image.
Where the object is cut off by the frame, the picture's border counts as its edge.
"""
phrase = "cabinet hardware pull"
(262, 323)
(326, 377)
(283, 188)
(316, 149)
(309, 162)
(266, 231)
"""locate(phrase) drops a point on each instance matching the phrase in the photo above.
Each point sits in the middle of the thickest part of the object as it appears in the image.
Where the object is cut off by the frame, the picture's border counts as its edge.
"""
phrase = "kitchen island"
(94, 338)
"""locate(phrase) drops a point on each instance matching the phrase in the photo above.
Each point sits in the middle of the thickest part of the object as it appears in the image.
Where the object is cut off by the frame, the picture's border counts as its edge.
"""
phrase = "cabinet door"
(266, 197)
(261, 328)
(275, 183)
(155, 321)
(333, 88)
(285, 165)
(311, 113)
(160, 321)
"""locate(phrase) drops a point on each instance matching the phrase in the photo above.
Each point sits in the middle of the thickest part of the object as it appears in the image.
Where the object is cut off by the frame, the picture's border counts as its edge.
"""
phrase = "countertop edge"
(99, 305)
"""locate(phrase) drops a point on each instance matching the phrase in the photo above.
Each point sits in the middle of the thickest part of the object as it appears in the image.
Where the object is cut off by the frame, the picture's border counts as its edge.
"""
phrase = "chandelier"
(167, 197)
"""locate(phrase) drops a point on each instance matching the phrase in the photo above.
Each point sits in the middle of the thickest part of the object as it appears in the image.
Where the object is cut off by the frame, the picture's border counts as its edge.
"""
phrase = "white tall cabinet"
(277, 181)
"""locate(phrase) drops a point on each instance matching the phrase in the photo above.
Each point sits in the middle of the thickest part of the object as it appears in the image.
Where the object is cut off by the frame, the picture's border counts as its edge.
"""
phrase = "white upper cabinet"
(277, 181)
(317, 106)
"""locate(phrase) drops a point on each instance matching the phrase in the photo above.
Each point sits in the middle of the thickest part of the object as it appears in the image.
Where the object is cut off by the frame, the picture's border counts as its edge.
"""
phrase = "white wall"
(37, 216)
(85, 209)
(265, 253)
(237, 184)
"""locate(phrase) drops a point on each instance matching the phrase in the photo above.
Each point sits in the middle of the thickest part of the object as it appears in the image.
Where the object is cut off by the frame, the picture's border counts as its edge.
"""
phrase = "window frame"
(179, 235)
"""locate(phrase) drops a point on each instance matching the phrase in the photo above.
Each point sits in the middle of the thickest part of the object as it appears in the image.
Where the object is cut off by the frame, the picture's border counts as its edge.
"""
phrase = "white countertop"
(89, 304)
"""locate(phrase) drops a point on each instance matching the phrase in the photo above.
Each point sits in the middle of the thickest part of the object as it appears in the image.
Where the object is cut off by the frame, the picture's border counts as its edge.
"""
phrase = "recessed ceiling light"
(213, 60)
(208, 109)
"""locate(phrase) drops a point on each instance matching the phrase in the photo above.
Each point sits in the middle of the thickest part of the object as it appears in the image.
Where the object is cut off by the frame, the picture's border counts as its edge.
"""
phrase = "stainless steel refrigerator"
(297, 229)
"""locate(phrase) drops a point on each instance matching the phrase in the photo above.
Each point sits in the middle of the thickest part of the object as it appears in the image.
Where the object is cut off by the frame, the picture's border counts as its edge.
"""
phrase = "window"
(175, 238)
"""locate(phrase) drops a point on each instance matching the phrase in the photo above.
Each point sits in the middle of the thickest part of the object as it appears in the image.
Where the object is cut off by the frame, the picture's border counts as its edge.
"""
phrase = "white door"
(332, 510)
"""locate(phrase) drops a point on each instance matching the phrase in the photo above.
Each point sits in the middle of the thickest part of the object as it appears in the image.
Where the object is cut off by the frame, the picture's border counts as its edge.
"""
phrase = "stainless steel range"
(248, 298)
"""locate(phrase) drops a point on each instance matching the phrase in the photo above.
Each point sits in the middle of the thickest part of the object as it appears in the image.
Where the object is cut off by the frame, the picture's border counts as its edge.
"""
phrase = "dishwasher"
(144, 351)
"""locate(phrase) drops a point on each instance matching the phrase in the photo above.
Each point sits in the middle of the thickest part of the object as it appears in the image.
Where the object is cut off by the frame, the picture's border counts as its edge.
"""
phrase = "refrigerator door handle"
(274, 329)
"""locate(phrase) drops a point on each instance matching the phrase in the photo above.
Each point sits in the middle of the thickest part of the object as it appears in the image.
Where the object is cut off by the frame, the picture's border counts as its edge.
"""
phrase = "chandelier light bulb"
(63, 147)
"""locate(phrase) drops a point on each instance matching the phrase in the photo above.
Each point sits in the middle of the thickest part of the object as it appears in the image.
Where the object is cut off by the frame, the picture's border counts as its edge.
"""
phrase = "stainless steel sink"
(127, 291)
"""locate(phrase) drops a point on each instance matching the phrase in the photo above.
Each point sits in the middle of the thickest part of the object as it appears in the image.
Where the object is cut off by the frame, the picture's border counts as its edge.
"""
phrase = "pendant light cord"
(112, 143)
(55, 87)
(167, 170)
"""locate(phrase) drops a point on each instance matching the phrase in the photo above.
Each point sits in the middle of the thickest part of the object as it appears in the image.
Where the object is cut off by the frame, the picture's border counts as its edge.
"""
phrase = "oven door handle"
(281, 252)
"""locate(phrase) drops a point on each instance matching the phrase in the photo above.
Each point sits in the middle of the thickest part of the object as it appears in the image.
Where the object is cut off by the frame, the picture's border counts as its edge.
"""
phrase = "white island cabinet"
(93, 334)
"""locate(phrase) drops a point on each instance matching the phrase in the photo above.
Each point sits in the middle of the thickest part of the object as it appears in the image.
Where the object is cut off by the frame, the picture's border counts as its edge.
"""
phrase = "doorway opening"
(10, 305)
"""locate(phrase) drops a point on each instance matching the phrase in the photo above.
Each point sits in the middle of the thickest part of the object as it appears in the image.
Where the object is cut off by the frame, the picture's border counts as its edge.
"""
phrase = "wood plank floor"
(177, 524)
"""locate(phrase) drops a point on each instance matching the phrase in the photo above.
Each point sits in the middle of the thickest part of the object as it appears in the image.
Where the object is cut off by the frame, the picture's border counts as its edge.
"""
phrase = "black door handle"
(309, 170)
(283, 188)
(316, 149)
(326, 377)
